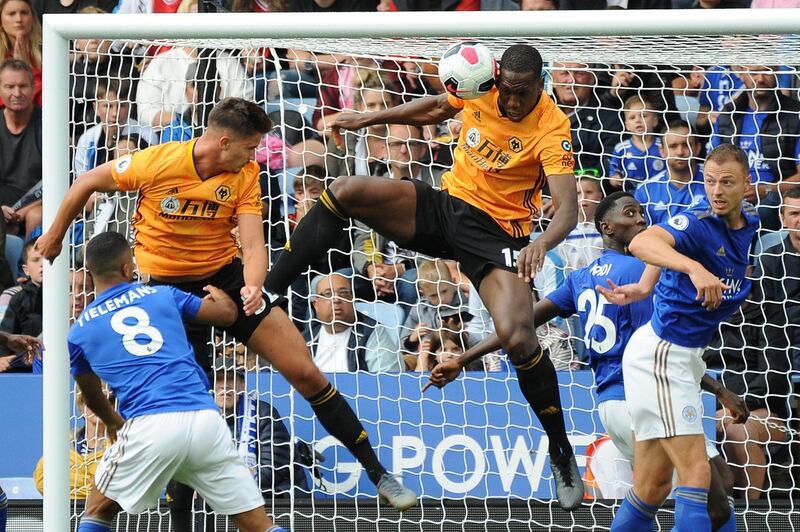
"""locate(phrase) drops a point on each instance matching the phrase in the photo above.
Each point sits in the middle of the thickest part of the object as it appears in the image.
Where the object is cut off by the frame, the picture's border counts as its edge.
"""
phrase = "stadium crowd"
(370, 305)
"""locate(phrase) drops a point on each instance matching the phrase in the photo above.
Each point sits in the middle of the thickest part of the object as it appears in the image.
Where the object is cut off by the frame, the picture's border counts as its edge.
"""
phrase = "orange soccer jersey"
(500, 166)
(182, 223)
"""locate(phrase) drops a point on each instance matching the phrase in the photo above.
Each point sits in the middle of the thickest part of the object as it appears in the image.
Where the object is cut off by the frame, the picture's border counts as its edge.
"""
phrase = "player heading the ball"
(513, 140)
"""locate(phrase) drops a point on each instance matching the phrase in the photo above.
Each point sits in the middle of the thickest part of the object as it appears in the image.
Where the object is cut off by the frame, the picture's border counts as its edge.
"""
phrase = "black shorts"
(450, 228)
(229, 279)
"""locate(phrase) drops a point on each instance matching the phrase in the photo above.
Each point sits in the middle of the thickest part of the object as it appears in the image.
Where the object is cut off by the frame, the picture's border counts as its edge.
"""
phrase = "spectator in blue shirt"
(765, 124)
(637, 158)
(678, 186)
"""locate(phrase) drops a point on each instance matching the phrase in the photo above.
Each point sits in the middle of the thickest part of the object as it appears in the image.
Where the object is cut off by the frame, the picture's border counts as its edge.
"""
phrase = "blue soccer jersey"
(662, 199)
(701, 235)
(720, 87)
(635, 165)
(607, 327)
(749, 140)
(132, 337)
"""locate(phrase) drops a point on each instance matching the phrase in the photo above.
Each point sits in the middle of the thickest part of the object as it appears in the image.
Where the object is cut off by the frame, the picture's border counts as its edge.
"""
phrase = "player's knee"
(306, 379)
(348, 190)
(518, 342)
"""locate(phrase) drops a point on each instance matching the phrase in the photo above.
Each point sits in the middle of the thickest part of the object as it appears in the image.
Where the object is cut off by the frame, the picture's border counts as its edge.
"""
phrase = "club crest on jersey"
(170, 205)
(122, 164)
(689, 414)
(565, 145)
(679, 222)
(515, 144)
(721, 251)
(222, 193)
(473, 137)
(658, 165)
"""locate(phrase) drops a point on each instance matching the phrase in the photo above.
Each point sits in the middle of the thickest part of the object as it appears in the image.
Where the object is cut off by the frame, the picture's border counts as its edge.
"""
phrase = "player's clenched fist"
(252, 300)
(349, 121)
(49, 245)
(444, 373)
(709, 287)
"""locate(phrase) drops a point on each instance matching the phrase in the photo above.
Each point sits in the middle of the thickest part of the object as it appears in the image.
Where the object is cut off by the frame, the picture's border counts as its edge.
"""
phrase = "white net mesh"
(474, 451)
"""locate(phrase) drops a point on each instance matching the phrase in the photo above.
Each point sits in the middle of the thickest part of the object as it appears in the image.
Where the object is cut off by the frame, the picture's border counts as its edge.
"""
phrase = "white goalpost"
(415, 440)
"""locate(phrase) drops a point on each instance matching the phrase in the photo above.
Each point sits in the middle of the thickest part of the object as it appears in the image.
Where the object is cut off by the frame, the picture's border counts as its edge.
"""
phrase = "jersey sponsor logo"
(122, 164)
(223, 193)
(565, 145)
(689, 414)
(190, 209)
(631, 165)
(473, 137)
(679, 222)
(170, 205)
(660, 206)
(487, 155)
(515, 144)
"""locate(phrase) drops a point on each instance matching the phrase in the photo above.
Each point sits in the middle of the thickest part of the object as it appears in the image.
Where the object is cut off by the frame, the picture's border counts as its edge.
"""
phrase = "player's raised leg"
(386, 205)
(281, 344)
(510, 304)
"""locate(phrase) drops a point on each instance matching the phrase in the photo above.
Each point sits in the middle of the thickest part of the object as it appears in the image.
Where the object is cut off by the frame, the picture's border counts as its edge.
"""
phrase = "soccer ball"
(467, 70)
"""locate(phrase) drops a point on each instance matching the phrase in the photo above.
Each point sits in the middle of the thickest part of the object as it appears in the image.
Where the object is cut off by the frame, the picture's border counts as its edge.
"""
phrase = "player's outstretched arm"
(97, 402)
(254, 258)
(565, 200)
(419, 112)
(656, 246)
(97, 180)
(217, 308)
(729, 400)
(446, 372)
(630, 293)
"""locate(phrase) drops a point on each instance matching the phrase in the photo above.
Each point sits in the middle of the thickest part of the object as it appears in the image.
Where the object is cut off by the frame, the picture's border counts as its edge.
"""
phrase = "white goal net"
(473, 451)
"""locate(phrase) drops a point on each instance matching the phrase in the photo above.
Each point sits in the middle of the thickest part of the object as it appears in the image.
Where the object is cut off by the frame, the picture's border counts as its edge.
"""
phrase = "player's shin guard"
(93, 524)
(341, 422)
(691, 512)
(3, 510)
(538, 382)
(314, 235)
(634, 515)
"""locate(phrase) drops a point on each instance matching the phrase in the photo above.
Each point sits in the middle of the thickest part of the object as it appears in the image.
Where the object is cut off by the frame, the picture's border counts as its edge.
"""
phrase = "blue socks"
(634, 515)
(3, 510)
(691, 510)
(730, 524)
(93, 524)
